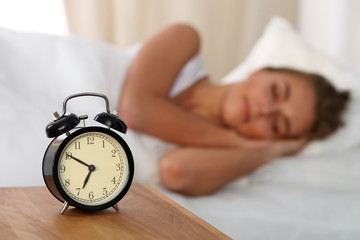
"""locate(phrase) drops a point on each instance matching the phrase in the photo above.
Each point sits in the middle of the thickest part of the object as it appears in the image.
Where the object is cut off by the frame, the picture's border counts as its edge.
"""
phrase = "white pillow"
(36, 73)
(281, 46)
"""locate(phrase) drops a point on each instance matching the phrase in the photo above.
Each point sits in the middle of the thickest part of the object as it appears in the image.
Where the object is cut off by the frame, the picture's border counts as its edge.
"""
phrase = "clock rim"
(129, 179)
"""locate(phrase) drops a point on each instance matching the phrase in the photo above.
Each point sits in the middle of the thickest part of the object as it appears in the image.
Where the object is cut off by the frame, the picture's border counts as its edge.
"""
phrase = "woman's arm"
(199, 171)
(145, 105)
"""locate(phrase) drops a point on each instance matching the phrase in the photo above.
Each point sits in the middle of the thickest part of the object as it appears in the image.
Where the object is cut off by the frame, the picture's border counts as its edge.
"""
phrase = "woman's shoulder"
(184, 29)
(184, 34)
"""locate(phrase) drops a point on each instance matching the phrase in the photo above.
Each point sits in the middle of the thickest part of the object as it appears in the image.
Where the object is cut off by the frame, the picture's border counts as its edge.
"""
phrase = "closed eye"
(274, 91)
(274, 125)
(280, 125)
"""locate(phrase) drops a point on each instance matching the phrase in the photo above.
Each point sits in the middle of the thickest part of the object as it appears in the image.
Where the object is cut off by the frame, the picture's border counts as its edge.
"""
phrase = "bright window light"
(42, 16)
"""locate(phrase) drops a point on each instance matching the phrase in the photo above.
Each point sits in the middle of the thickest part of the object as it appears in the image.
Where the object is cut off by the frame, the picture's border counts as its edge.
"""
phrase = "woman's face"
(270, 104)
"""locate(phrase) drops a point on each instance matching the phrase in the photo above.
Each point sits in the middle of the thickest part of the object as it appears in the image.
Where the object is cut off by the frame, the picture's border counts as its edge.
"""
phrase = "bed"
(314, 195)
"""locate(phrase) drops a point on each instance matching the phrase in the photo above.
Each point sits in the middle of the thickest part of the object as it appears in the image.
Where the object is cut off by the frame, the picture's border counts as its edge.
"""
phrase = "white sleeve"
(193, 71)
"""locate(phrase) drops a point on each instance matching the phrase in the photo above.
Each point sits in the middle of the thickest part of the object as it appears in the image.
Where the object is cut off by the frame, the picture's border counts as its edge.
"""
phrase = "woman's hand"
(288, 147)
(241, 142)
(275, 147)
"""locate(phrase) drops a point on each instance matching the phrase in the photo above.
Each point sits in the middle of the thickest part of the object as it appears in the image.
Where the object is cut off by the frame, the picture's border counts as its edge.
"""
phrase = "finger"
(255, 144)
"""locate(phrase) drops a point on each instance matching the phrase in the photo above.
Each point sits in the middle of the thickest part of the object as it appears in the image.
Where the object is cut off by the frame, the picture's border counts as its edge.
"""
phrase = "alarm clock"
(88, 167)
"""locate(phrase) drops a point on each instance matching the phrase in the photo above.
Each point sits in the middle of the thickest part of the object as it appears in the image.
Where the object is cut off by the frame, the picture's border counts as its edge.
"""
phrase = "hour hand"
(91, 169)
(86, 179)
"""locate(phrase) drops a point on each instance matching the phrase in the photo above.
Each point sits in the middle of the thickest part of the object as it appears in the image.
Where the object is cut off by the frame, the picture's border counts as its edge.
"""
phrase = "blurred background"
(228, 28)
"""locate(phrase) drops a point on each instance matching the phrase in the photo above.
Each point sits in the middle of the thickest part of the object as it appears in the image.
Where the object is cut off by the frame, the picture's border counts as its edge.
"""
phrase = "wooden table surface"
(33, 213)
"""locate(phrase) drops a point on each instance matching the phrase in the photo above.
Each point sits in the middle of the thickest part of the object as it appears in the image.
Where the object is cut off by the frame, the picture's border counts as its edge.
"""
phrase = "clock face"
(93, 168)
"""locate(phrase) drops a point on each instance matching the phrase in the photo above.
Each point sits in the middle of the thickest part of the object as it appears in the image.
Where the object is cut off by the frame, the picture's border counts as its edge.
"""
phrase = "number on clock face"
(93, 168)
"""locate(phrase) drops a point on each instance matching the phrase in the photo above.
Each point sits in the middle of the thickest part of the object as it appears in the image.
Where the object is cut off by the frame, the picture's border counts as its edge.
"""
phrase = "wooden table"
(33, 213)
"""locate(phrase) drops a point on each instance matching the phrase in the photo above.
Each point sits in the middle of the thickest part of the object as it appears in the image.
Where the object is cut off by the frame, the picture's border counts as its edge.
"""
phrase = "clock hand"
(86, 179)
(78, 160)
(91, 169)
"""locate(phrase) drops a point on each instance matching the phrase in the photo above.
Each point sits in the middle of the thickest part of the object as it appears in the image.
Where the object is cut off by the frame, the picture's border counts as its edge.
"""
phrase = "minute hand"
(78, 160)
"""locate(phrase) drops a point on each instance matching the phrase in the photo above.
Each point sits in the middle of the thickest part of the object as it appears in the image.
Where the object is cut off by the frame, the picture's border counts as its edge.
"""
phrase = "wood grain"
(33, 213)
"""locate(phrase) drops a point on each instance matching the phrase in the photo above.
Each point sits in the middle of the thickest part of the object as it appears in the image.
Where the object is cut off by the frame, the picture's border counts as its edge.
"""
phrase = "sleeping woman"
(222, 131)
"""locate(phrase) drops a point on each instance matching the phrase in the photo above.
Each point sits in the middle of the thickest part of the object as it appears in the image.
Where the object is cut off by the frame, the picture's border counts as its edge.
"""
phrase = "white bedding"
(291, 198)
(314, 195)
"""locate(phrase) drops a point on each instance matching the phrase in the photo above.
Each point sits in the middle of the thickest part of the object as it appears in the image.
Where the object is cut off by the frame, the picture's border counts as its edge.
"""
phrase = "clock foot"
(65, 206)
(116, 207)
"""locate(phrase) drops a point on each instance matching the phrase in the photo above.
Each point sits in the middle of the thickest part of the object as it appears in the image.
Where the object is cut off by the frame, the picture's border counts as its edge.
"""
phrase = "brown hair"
(330, 103)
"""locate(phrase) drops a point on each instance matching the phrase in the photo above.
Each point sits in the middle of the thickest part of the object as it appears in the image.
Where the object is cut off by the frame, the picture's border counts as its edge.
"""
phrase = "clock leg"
(65, 206)
(116, 207)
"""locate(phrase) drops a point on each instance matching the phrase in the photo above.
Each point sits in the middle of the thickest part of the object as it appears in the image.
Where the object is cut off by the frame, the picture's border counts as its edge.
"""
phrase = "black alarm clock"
(90, 168)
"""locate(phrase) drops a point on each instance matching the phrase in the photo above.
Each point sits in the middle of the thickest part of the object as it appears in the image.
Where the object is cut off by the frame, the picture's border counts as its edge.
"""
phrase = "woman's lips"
(246, 110)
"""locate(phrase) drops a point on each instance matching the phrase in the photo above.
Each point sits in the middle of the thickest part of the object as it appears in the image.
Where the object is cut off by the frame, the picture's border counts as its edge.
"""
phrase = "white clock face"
(93, 168)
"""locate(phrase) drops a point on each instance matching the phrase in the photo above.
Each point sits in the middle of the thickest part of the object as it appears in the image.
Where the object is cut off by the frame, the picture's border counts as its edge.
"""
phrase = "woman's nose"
(268, 110)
